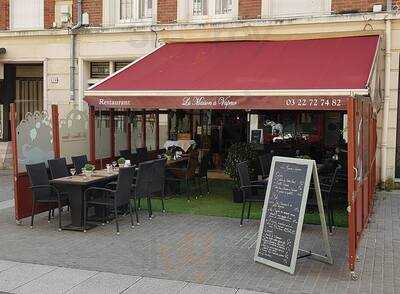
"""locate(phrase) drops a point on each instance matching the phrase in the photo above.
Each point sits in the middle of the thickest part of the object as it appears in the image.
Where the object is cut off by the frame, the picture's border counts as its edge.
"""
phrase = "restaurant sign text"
(224, 102)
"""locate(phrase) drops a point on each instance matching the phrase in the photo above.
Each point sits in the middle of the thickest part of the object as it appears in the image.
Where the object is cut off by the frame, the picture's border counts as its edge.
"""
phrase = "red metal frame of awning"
(297, 74)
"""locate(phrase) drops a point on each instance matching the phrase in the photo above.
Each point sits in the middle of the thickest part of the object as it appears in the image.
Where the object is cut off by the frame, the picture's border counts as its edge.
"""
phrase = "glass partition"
(74, 136)
(151, 131)
(136, 127)
(103, 149)
(121, 123)
(34, 139)
(163, 121)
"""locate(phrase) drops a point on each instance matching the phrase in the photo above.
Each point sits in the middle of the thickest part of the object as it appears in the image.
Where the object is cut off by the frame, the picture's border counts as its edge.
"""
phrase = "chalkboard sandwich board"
(283, 213)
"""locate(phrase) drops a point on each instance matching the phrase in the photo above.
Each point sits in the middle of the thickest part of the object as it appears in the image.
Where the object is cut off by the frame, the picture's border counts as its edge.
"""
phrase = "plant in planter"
(237, 153)
(121, 162)
(88, 169)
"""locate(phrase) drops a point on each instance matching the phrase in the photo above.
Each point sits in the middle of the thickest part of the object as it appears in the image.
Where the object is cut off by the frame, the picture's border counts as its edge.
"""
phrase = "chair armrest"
(100, 190)
(252, 186)
(114, 183)
(177, 169)
(54, 189)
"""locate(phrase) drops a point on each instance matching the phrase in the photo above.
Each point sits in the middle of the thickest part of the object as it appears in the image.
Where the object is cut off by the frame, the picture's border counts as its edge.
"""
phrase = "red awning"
(321, 67)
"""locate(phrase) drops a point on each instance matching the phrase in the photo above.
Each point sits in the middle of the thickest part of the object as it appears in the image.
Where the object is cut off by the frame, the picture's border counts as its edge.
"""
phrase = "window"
(99, 70)
(207, 9)
(120, 65)
(26, 14)
(135, 10)
(291, 8)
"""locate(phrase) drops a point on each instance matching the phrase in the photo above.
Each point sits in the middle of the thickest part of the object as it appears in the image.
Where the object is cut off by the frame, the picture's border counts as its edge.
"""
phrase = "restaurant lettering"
(225, 102)
(114, 102)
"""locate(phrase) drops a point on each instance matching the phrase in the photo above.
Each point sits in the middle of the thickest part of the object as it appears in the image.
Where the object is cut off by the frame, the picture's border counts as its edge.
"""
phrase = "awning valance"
(240, 74)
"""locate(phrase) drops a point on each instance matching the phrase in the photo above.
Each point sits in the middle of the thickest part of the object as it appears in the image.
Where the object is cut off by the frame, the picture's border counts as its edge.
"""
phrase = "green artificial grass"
(219, 203)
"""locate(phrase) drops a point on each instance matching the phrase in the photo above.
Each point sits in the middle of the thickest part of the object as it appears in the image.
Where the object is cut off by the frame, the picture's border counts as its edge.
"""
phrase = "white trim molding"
(276, 93)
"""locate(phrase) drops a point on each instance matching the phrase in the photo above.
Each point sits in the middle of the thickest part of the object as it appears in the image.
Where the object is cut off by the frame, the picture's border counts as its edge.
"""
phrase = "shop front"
(306, 96)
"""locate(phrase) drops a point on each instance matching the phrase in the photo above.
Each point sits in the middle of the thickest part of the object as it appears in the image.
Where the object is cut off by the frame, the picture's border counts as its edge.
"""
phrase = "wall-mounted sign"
(283, 213)
(220, 102)
(54, 80)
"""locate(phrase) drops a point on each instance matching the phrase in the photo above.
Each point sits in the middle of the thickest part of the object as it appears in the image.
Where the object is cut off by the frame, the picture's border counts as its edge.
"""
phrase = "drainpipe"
(386, 103)
(389, 5)
(72, 52)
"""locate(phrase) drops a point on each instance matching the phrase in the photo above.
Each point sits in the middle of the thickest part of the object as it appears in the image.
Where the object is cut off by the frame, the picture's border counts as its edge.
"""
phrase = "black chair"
(157, 183)
(79, 162)
(58, 168)
(250, 189)
(42, 191)
(184, 175)
(265, 163)
(328, 183)
(202, 174)
(108, 198)
(142, 154)
(141, 187)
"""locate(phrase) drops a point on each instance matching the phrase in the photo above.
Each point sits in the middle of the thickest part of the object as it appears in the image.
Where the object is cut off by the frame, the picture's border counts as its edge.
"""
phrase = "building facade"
(55, 49)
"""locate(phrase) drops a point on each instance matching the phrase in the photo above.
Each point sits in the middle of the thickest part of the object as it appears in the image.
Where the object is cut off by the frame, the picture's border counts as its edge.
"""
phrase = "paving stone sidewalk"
(206, 250)
(27, 278)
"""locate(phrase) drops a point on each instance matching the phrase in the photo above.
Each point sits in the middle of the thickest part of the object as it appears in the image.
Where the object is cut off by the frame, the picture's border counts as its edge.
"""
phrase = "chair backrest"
(142, 154)
(157, 182)
(58, 168)
(38, 175)
(204, 164)
(143, 179)
(124, 185)
(191, 167)
(79, 162)
(265, 163)
(242, 170)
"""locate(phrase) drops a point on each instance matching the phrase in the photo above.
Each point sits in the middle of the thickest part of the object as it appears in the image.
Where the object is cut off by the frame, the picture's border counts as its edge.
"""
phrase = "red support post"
(157, 130)
(92, 134)
(143, 143)
(112, 133)
(13, 120)
(56, 130)
(128, 135)
(352, 231)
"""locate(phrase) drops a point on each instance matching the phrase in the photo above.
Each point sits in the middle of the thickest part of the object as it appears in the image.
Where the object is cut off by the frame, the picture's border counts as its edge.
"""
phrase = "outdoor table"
(76, 186)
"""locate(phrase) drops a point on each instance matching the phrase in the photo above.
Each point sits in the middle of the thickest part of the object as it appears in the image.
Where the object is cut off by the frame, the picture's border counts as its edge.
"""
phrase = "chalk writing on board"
(282, 212)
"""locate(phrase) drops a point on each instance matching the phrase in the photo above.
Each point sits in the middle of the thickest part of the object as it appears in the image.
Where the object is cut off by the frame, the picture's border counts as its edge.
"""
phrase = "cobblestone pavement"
(6, 185)
(210, 251)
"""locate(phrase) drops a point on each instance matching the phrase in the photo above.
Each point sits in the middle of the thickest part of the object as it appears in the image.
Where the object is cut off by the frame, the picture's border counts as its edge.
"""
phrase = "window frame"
(12, 22)
(136, 19)
(267, 7)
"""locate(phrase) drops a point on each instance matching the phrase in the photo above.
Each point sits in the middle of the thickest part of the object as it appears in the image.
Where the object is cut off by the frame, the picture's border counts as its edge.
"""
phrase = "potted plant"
(237, 153)
(121, 162)
(88, 169)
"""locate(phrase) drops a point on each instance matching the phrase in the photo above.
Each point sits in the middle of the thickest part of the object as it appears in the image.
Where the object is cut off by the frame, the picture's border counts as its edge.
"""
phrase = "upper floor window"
(26, 14)
(293, 8)
(135, 10)
(207, 10)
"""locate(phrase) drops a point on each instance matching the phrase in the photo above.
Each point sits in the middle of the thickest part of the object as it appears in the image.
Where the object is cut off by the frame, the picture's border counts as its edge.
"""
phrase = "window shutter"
(26, 14)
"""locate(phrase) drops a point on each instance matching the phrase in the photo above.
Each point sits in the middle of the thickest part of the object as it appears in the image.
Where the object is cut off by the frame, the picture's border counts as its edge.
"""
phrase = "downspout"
(72, 52)
(386, 102)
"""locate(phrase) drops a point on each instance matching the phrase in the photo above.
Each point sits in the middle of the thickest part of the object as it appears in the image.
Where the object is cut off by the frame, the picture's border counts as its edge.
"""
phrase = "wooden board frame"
(311, 171)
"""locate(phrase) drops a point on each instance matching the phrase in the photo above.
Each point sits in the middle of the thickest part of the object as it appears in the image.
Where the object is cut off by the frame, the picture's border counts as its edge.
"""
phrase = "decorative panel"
(34, 139)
